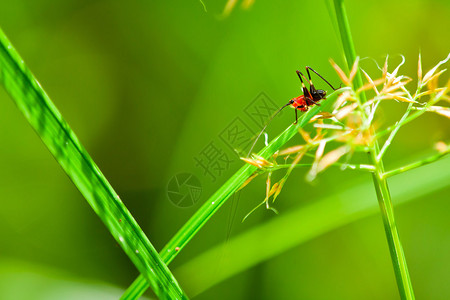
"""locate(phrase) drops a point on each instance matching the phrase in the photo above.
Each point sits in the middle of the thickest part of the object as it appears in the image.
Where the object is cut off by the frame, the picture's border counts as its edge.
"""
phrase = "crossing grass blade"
(191, 227)
(56, 134)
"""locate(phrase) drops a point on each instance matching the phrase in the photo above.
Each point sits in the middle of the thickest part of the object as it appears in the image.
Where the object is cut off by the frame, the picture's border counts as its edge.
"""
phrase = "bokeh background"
(147, 86)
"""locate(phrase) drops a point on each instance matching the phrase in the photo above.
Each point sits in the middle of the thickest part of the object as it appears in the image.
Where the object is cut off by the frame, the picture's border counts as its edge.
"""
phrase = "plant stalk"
(387, 213)
(384, 198)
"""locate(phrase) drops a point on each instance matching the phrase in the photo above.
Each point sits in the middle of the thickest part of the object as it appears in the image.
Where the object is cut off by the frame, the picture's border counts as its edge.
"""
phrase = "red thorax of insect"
(303, 102)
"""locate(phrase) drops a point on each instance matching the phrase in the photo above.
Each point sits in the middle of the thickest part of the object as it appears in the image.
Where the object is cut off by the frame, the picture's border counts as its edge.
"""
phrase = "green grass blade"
(56, 134)
(261, 243)
(190, 228)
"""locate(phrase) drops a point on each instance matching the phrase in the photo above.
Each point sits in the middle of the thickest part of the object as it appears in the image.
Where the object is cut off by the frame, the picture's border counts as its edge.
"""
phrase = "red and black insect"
(303, 102)
(309, 98)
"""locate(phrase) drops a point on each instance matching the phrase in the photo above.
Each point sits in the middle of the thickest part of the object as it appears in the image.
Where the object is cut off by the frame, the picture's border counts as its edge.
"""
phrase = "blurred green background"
(147, 86)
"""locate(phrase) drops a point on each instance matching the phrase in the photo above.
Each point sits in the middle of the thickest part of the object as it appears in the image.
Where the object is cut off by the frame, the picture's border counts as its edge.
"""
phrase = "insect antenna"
(267, 124)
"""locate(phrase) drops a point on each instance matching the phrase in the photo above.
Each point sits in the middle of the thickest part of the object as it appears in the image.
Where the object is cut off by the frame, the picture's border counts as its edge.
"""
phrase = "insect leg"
(312, 88)
(309, 68)
(306, 93)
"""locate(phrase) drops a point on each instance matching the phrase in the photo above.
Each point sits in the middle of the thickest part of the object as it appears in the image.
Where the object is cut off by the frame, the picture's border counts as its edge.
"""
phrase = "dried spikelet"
(354, 70)
(331, 157)
(248, 181)
(385, 68)
(305, 135)
(273, 189)
(395, 86)
(347, 136)
(231, 4)
(359, 135)
(396, 95)
(441, 110)
(401, 98)
(354, 122)
(228, 8)
(291, 150)
(394, 74)
(370, 83)
(434, 80)
(267, 189)
(329, 126)
(431, 72)
(246, 4)
(257, 161)
(419, 69)
(298, 158)
(442, 147)
(319, 134)
(320, 150)
(404, 77)
(392, 77)
(430, 92)
(321, 116)
(447, 88)
(252, 162)
(441, 93)
(368, 86)
(355, 134)
(279, 188)
(345, 96)
(319, 153)
(340, 73)
(371, 101)
(363, 138)
(343, 112)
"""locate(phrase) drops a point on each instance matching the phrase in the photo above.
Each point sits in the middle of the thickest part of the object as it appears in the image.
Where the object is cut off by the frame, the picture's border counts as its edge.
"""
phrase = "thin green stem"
(411, 117)
(347, 42)
(396, 127)
(395, 247)
(423, 162)
(342, 165)
(384, 198)
(388, 141)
